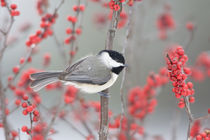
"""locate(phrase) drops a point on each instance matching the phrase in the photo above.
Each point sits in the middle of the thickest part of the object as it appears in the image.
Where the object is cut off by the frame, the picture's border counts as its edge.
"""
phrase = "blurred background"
(147, 56)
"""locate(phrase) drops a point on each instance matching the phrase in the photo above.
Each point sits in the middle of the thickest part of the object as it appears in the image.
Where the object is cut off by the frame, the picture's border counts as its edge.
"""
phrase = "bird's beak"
(125, 65)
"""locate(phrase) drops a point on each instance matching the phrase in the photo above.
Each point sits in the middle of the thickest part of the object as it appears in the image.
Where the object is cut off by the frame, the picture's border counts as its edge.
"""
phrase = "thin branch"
(61, 49)
(189, 41)
(188, 110)
(104, 101)
(2, 93)
(74, 128)
(52, 121)
(125, 45)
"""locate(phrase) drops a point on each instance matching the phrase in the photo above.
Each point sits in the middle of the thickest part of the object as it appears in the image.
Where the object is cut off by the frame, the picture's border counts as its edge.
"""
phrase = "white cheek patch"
(109, 61)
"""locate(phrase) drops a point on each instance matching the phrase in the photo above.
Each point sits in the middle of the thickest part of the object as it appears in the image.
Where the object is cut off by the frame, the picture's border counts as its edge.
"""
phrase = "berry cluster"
(165, 21)
(178, 73)
(197, 133)
(141, 101)
(132, 127)
(204, 135)
(37, 131)
(114, 5)
(122, 19)
(30, 109)
(47, 21)
(75, 29)
(73, 20)
(13, 11)
(195, 129)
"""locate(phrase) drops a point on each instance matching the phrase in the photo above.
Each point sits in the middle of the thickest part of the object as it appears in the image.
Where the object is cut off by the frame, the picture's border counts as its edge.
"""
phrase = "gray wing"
(88, 70)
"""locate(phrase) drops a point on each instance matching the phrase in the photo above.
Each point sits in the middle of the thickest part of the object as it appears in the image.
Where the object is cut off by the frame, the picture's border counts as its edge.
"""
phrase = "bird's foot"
(104, 94)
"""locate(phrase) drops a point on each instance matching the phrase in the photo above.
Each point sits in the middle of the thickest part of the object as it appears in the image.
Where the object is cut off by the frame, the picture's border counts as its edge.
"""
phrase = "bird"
(91, 74)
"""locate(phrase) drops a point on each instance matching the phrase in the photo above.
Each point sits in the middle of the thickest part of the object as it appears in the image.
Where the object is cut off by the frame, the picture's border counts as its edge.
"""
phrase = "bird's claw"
(107, 95)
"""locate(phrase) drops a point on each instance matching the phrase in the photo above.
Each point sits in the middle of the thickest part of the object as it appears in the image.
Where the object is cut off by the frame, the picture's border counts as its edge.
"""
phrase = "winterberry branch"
(2, 93)
(75, 30)
(104, 101)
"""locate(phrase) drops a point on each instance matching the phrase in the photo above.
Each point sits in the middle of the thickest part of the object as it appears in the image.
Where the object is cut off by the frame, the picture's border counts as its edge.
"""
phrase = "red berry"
(13, 6)
(181, 104)
(75, 8)
(180, 50)
(192, 99)
(10, 78)
(29, 59)
(25, 112)
(198, 137)
(36, 112)
(16, 69)
(7, 111)
(14, 133)
(25, 97)
(24, 104)
(190, 85)
(82, 8)
(116, 7)
(68, 31)
(24, 128)
(190, 26)
(78, 31)
(22, 60)
(29, 109)
(187, 70)
(35, 119)
(18, 102)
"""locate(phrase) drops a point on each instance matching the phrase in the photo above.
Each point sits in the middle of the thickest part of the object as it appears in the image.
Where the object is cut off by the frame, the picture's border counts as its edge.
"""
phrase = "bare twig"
(74, 128)
(125, 45)
(61, 49)
(190, 39)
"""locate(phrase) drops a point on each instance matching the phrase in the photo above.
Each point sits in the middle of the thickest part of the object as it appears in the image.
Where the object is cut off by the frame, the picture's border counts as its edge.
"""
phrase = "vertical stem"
(2, 93)
(188, 110)
(104, 121)
(104, 101)
(3, 115)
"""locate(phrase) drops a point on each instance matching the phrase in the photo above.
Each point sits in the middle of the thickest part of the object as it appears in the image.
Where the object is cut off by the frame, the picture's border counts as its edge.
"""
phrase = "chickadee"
(91, 74)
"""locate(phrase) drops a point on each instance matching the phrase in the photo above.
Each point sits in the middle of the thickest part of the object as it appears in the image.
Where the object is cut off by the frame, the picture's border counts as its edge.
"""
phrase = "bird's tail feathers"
(42, 79)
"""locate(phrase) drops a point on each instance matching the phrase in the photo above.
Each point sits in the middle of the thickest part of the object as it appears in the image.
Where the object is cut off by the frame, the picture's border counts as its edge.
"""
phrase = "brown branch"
(190, 116)
(104, 101)
(2, 93)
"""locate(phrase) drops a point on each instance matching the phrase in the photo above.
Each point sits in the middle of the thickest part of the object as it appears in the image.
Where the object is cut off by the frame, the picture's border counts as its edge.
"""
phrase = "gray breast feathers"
(88, 70)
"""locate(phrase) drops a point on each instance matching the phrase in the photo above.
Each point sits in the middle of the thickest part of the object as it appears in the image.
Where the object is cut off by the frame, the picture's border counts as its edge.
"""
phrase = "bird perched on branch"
(91, 74)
